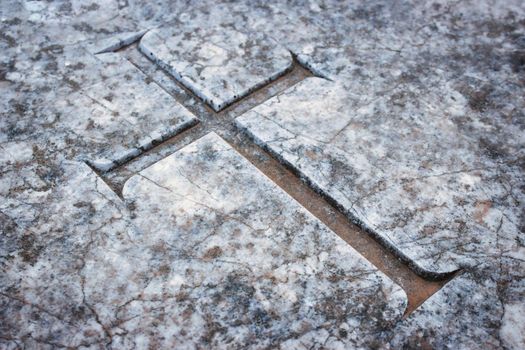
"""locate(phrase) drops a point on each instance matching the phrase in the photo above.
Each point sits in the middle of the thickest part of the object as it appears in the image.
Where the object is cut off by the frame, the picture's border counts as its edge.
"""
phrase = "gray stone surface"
(219, 61)
(100, 107)
(413, 177)
(122, 110)
(248, 259)
(68, 225)
(228, 260)
(483, 308)
(434, 93)
(420, 137)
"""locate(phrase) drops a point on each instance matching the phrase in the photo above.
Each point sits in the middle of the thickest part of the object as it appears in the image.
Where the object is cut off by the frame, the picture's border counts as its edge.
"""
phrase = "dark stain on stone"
(86, 208)
(66, 7)
(73, 84)
(238, 293)
(212, 328)
(78, 66)
(6, 68)
(49, 175)
(83, 27)
(209, 154)
(54, 49)
(478, 99)
(260, 320)
(495, 29)
(19, 108)
(517, 61)
(13, 21)
(92, 7)
(213, 253)
(11, 42)
(164, 270)
(29, 251)
(90, 125)
(52, 66)
(492, 148)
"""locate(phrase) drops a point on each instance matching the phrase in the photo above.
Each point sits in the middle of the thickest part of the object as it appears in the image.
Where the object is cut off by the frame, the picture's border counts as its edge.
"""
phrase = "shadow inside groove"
(417, 286)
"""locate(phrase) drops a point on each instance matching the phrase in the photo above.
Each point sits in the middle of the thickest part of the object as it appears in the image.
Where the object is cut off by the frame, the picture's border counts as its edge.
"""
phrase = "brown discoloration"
(164, 270)
(517, 60)
(212, 253)
(417, 288)
(29, 251)
(482, 208)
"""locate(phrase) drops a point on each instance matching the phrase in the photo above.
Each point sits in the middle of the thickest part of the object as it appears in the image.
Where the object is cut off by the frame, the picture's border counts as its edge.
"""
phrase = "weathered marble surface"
(103, 107)
(481, 309)
(249, 265)
(66, 223)
(122, 110)
(415, 179)
(404, 59)
(59, 95)
(433, 96)
(219, 61)
(227, 260)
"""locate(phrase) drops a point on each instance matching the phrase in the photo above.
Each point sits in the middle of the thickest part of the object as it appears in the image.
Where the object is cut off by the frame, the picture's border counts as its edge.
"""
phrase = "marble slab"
(70, 258)
(240, 263)
(218, 62)
(122, 111)
(425, 187)
(103, 111)
(224, 259)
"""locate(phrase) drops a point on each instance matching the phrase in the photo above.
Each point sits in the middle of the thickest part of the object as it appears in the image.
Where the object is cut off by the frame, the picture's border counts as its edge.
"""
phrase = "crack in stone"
(395, 265)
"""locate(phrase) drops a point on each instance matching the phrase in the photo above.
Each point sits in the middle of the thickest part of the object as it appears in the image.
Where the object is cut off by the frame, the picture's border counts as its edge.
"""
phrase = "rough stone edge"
(418, 269)
(104, 164)
(116, 42)
(217, 107)
(398, 294)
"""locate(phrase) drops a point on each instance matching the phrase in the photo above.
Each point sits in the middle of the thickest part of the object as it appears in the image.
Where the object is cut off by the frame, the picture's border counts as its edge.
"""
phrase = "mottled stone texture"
(68, 225)
(419, 134)
(413, 177)
(123, 111)
(99, 107)
(483, 308)
(218, 63)
(239, 253)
